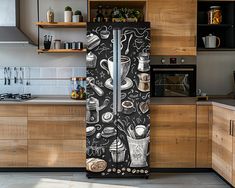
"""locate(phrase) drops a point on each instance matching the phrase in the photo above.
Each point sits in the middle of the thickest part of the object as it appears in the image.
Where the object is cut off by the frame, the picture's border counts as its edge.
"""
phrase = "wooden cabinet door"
(13, 128)
(222, 143)
(67, 128)
(204, 136)
(13, 153)
(56, 153)
(173, 136)
(174, 25)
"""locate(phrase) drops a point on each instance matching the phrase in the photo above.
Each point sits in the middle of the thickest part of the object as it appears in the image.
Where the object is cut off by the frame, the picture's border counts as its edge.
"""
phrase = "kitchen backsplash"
(41, 80)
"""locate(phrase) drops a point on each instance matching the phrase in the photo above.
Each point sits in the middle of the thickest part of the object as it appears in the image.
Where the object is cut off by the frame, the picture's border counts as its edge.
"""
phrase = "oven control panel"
(171, 60)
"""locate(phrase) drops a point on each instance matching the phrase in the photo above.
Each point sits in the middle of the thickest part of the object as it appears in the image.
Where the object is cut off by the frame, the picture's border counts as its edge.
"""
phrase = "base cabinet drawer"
(56, 128)
(56, 153)
(13, 153)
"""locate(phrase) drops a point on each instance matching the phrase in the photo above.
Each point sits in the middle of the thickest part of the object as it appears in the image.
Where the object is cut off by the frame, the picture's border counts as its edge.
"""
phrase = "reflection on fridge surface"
(118, 87)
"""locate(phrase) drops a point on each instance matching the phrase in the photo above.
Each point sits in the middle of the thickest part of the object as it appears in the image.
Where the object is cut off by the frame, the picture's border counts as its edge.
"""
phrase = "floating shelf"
(61, 51)
(61, 24)
(215, 25)
(215, 49)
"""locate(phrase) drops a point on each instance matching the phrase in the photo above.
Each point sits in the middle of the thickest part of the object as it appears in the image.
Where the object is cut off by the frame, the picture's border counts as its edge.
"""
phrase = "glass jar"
(78, 88)
(215, 15)
(50, 15)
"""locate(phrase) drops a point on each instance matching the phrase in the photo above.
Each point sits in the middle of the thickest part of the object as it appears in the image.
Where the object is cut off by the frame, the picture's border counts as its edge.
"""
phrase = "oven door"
(173, 81)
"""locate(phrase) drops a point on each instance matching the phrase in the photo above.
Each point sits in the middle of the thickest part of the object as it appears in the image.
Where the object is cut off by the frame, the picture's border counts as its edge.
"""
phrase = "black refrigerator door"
(118, 119)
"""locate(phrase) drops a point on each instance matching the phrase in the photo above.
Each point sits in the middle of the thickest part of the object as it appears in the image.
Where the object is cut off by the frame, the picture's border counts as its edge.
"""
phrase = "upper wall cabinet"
(174, 25)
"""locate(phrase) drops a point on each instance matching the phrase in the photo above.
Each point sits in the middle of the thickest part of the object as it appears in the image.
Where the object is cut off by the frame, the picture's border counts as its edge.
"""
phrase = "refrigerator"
(118, 97)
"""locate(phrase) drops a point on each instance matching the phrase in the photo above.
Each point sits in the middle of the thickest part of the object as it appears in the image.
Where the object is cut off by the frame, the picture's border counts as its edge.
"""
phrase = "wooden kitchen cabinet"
(56, 111)
(13, 153)
(173, 136)
(56, 153)
(222, 143)
(56, 136)
(204, 136)
(13, 135)
(64, 128)
(173, 26)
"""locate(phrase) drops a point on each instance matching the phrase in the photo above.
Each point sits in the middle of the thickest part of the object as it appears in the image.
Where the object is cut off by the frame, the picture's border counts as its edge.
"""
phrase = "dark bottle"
(99, 16)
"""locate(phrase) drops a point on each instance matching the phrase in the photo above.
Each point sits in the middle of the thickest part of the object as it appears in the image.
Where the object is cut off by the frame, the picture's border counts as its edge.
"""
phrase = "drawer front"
(72, 128)
(56, 153)
(13, 110)
(13, 153)
(13, 128)
(56, 110)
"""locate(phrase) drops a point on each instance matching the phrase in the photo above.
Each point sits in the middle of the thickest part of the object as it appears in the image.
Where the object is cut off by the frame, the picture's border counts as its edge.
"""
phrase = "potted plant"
(77, 17)
(68, 14)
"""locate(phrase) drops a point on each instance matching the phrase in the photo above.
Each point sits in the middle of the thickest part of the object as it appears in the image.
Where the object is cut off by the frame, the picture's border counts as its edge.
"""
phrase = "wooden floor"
(79, 180)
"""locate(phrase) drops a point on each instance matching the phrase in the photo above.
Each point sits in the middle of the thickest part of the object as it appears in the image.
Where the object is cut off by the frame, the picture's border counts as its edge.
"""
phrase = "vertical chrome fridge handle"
(119, 62)
(115, 64)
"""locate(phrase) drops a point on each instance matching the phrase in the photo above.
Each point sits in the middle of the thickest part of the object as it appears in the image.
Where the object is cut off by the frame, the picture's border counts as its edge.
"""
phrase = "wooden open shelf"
(61, 51)
(61, 24)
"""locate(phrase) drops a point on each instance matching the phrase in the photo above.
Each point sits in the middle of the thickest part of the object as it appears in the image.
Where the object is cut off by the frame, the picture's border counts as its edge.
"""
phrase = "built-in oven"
(173, 80)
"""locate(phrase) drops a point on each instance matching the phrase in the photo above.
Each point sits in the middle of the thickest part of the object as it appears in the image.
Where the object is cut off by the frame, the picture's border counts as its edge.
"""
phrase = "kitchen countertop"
(228, 103)
(51, 100)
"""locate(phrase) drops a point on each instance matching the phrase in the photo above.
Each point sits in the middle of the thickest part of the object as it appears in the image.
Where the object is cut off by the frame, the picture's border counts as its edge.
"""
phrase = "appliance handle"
(115, 62)
(173, 69)
(119, 107)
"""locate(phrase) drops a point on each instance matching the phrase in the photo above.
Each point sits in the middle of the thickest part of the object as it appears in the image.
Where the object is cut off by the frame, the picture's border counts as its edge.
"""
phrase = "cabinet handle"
(230, 127)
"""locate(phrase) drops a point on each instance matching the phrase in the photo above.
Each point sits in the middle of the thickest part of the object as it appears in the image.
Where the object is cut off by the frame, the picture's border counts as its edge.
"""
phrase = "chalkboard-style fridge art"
(118, 97)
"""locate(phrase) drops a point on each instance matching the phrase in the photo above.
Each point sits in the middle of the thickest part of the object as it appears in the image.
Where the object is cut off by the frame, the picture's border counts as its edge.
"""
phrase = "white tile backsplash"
(44, 81)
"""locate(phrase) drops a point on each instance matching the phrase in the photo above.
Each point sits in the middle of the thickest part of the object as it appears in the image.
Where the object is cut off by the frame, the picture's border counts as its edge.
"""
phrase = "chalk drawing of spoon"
(128, 45)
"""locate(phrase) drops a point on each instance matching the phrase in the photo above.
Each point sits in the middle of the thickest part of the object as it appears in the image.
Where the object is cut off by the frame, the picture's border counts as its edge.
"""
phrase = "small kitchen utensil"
(144, 61)
(47, 42)
(210, 41)
(91, 82)
(8, 76)
(5, 75)
(15, 75)
(144, 82)
(128, 45)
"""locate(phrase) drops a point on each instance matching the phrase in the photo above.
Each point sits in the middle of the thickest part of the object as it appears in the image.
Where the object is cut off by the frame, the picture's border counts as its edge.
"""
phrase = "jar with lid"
(50, 15)
(78, 88)
(215, 15)
(92, 114)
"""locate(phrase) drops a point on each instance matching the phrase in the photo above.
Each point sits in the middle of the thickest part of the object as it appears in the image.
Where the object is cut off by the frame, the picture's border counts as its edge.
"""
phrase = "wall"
(26, 56)
(215, 72)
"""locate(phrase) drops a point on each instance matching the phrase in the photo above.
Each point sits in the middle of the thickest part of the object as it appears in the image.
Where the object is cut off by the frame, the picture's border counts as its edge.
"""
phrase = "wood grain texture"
(56, 153)
(13, 110)
(61, 24)
(204, 136)
(57, 128)
(173, 136)
(13, 128)
(56, 110)
(222, 143)
(13, 153)
(173, 26)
